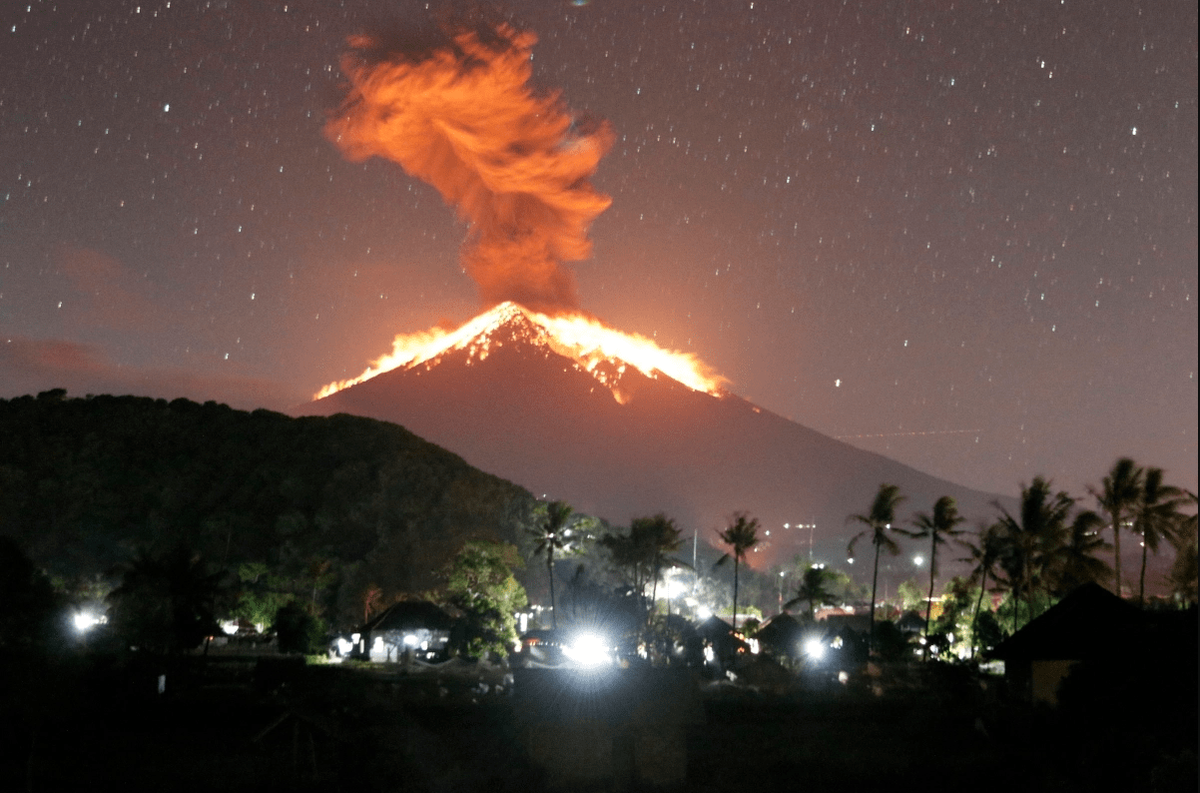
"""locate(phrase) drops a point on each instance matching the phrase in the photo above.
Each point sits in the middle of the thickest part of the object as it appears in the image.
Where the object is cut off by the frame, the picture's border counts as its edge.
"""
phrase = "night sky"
(961, 234)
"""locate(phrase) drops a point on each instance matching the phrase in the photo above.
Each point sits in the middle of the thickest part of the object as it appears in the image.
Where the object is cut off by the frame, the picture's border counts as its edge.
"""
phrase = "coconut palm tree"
(1030, 537)
(551, 534)
(1116, 497)
(813, 589)
(740, 535)
(878, 521)
(1183, 576)
(1074, 563)
(983, 557)
(936, 527)
(654, 539)
(1156, 517)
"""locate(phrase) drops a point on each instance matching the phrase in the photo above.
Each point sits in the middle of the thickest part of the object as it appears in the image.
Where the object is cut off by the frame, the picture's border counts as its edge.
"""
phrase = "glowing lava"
(603, 352)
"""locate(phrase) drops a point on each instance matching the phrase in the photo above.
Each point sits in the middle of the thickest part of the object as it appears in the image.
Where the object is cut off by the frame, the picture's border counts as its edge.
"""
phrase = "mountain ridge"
(546, 422)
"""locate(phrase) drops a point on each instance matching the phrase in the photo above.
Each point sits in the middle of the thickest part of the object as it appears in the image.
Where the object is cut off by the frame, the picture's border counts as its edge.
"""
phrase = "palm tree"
(878, 520)
(936, 527)
(1030, 538)
(1116, 497)
(740, 535)
(653, 539)
(551, 535)
(1156, 517)
(1183, 576)
(984, 558)
(1074, 563)
(813, 589)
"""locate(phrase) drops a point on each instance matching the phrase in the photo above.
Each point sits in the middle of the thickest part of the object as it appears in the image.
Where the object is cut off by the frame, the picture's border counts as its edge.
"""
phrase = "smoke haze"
(457, 112)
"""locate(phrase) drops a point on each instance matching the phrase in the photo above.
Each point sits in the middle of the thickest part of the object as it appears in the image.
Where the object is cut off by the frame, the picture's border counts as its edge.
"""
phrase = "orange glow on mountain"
(603, 352)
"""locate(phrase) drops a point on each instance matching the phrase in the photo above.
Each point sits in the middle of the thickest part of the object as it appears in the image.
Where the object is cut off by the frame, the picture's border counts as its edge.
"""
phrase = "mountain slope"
(86, 483)
(547, 422)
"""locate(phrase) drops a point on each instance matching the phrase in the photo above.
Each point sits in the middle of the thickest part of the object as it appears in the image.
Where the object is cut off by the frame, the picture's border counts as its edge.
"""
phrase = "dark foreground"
(282, 726)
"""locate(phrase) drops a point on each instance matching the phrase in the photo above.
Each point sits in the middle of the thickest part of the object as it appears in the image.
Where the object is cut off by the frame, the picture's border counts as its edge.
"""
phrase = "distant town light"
(814, 649)
(918, 560)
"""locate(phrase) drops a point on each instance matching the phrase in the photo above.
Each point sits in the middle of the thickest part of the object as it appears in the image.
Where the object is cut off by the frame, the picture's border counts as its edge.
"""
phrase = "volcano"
(572, 421)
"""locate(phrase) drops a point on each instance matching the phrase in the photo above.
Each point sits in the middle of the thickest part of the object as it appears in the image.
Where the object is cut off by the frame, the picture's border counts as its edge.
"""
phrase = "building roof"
(1091, 622)
(411, 615)
(781, 631)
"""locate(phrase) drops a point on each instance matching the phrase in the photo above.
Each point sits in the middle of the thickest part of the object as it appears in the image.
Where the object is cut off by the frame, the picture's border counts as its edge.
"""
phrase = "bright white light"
(814, 649)
(703, 612)
(230, 627)
(86, 620)
(588, 649)
(918, 560)
(410, 640)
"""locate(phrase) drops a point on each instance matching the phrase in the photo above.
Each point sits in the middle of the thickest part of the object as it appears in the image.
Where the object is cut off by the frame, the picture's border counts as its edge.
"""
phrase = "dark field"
(283, 726)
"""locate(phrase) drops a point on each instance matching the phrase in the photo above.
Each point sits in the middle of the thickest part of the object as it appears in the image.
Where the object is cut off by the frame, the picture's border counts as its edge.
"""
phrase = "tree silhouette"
(740, 535)
(29, 607)
(551, 534)
(1183, 576)
(815, 587)
(878, 521)
(936, 527)
(1074, 563)
(1156, 517)
(1030, 538)
(1117, 495)
(983, 559)
(655, 538)
(165, 603)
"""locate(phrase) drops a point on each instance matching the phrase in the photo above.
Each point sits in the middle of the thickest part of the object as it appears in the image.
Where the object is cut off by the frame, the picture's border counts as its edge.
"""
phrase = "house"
(414, 626)
(1089, 624)
(780, 636)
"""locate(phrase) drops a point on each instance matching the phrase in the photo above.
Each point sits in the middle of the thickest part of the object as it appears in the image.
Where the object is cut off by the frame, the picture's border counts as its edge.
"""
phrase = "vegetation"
(328, 506)
(740, 535)
(878, 521)
(165, 604)
(479, 582)
(644, 552)
(936, 527)
(30, 609)
(1156, 517)
(816, 586)
(983, 557)
(551, 533)
(1116, 496)
(1031, 538)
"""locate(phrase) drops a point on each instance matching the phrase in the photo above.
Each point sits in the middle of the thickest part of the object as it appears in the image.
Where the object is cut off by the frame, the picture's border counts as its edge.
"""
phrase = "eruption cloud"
(459, 114)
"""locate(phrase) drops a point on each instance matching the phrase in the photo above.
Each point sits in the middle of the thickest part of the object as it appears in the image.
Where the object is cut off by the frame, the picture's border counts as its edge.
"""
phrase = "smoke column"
(459, 114)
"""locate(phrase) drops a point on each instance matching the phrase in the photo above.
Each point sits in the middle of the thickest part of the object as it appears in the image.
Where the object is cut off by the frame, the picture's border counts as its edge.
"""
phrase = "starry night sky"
(961, 234)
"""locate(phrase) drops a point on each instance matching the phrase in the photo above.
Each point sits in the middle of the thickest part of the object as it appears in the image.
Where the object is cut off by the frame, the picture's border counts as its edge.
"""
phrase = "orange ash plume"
(459, 114)
(588, 342)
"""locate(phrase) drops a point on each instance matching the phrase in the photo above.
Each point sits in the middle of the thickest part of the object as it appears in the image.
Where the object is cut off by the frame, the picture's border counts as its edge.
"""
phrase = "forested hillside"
(339, 504)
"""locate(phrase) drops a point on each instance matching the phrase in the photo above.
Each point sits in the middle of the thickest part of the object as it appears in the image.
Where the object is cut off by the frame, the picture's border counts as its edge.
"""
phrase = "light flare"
(603, 352)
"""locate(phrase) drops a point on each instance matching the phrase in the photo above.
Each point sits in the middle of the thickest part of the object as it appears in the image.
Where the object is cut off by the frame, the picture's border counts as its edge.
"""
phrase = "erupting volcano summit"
(605, 353)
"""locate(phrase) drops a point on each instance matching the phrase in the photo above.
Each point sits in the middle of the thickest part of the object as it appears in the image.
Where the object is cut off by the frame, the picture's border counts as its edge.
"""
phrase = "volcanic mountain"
(567, 422)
